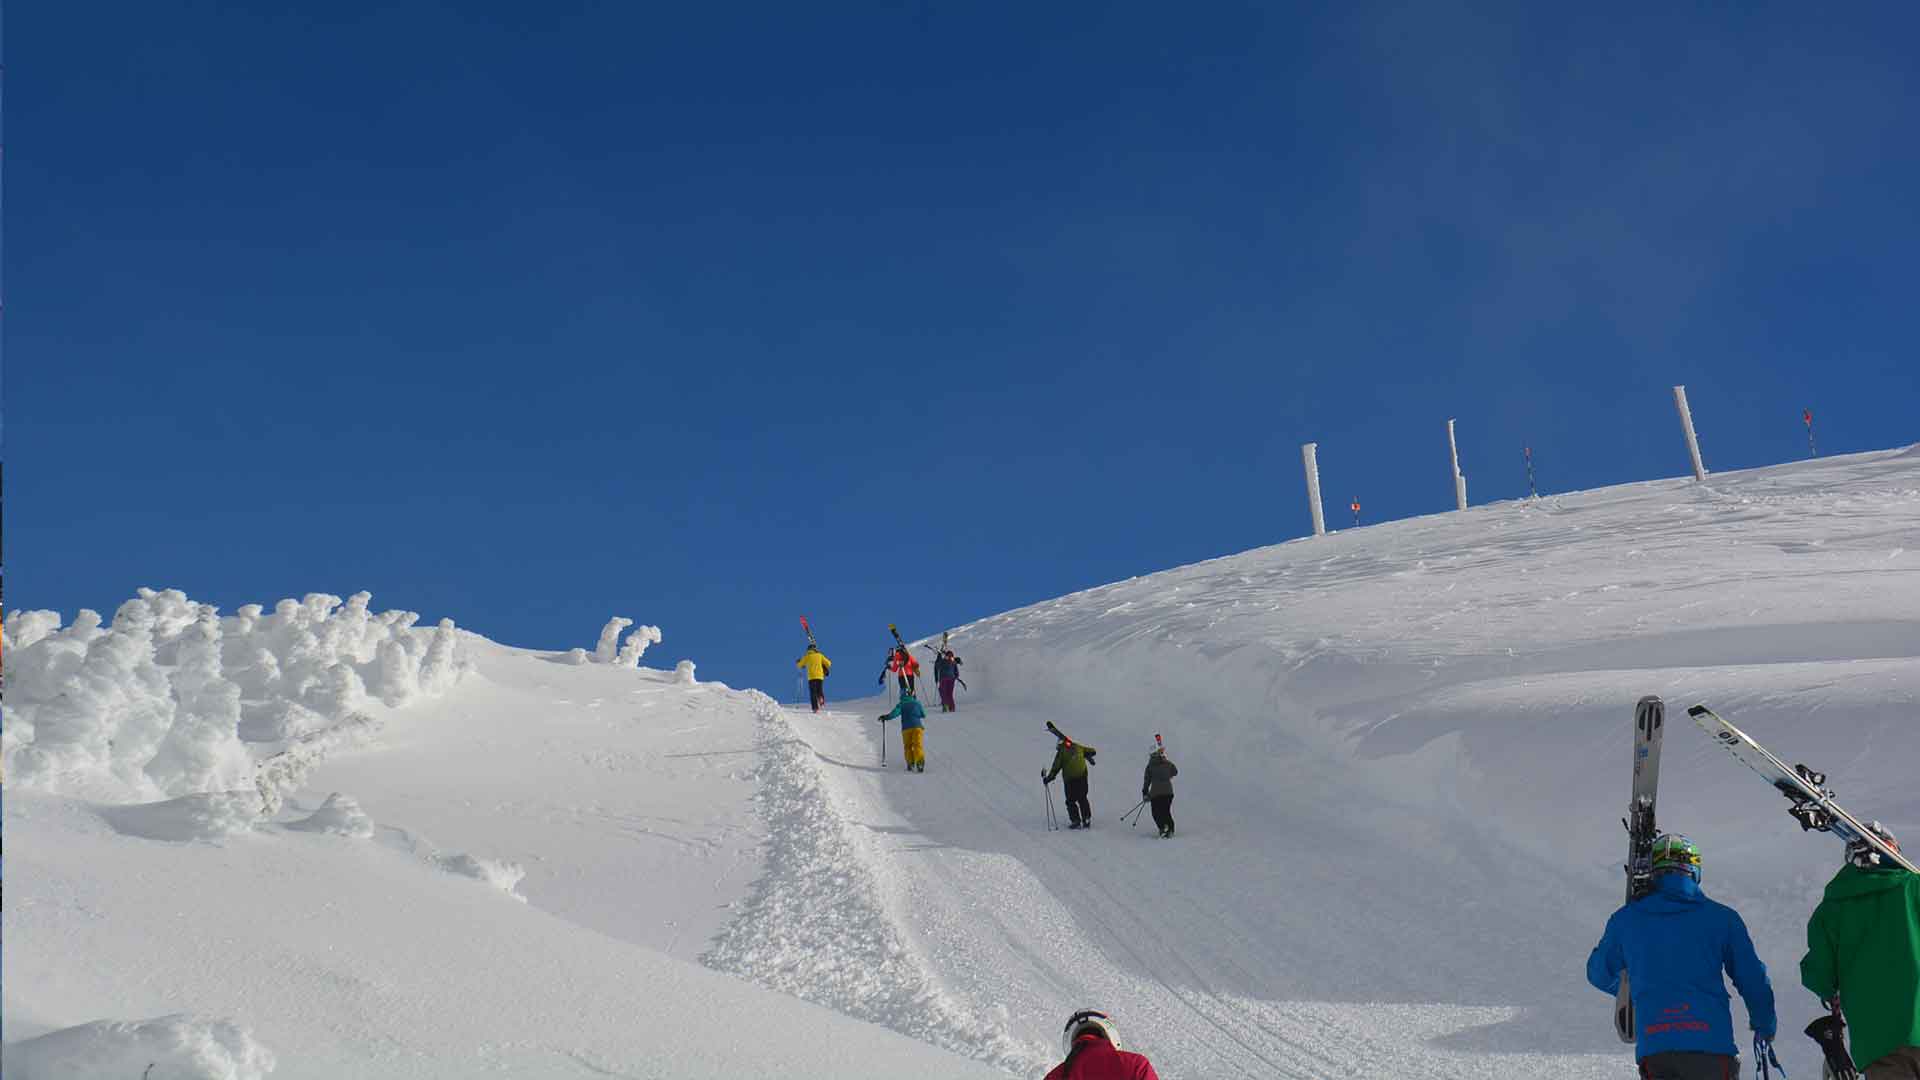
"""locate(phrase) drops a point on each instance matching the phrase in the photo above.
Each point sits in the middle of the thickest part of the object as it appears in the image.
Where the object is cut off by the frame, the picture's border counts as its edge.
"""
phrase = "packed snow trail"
(1223, 952)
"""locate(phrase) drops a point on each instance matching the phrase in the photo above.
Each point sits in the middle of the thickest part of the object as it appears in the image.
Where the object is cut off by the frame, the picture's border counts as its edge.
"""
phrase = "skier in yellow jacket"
(817, 666)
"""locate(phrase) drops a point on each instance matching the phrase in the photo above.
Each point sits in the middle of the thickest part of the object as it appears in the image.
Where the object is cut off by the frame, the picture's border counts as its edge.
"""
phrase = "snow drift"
(168, 1048)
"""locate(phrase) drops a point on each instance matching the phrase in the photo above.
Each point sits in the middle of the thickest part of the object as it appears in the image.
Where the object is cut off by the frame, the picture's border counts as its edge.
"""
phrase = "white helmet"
(1083, 1022)
(1863, 854)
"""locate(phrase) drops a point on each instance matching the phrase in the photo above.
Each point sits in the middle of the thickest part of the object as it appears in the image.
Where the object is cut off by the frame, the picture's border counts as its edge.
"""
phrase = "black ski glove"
(1830, 1032)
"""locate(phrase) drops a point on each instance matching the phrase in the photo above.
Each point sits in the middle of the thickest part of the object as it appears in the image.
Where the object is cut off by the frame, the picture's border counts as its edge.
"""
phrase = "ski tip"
(1698, 711)
(1652, 699)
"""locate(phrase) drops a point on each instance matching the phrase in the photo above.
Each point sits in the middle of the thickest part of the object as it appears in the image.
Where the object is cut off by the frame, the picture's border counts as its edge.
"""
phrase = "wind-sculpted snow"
(611, 650)
(171, 699)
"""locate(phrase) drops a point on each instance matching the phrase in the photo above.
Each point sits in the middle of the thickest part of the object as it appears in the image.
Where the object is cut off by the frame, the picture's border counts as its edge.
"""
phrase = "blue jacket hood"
(1673, 892)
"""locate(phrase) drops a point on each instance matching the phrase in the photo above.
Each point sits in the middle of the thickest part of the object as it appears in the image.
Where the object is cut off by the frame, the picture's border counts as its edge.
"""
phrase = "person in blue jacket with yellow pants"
(913, 719)
(1675, 942)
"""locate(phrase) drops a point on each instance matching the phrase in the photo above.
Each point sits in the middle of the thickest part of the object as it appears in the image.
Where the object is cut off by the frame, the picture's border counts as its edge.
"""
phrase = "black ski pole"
(1830, 1032)
(1053, 823)
(1135, 812)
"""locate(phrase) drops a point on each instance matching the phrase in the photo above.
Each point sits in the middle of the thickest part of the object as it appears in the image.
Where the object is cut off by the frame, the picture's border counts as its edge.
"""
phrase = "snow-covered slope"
(1403, 754)
(514, 877)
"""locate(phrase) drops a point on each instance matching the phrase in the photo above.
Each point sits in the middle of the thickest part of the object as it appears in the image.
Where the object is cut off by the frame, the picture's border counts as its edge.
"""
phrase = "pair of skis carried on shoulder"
(1811, 804)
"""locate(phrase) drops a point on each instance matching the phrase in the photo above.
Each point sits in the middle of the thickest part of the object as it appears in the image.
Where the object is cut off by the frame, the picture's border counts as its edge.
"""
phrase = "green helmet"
(1675, 854)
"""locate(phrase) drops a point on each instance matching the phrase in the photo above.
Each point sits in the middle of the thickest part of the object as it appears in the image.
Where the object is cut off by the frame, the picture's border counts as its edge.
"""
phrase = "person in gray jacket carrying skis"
(1157, 787)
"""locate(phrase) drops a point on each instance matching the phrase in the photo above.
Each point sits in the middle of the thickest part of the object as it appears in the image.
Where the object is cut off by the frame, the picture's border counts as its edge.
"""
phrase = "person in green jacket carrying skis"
(1863, 953)
(1070, 759)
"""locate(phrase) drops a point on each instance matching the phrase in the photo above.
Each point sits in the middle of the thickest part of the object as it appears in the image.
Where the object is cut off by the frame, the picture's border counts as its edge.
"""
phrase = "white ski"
(1813, 806)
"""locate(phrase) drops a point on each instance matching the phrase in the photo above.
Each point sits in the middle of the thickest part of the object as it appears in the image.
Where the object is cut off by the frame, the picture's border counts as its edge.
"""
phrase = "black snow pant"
(1163, 812)
(1078, 809)
(817, 692)
(1689, 1065)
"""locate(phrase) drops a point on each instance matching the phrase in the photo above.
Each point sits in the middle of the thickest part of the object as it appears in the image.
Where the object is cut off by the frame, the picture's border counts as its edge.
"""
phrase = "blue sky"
(711, 315)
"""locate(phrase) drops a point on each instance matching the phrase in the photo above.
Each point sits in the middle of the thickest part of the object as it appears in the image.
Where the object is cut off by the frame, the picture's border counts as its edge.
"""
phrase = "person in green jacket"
(1863, 953)
(1070, 759)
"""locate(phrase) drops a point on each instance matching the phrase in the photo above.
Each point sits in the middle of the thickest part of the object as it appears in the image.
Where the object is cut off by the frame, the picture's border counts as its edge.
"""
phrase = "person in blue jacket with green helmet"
(1676, 943)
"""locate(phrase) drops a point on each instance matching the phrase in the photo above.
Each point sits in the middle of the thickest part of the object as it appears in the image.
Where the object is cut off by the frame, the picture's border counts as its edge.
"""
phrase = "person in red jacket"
(1093, 1052)
(902, 665)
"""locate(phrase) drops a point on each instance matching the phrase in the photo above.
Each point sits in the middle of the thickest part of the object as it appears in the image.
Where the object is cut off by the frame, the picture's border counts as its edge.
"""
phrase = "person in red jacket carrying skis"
(902, 665)
(1093, 1052)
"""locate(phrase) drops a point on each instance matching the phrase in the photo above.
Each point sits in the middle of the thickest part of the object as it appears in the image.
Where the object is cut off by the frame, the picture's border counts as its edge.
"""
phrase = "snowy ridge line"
(816, 926)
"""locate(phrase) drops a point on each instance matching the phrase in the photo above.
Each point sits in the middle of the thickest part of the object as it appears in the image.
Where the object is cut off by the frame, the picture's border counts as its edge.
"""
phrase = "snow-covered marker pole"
(1686, 426)
(1807, 415)
(1533, 492)
(1310, 460)
(1459, 478)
